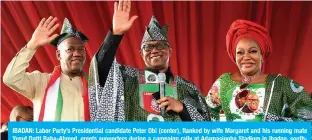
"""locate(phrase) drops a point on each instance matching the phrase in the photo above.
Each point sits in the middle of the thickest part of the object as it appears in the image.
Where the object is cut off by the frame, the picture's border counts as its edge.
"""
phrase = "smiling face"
(72, 55)
(156, 54)
(253, 102)
(248, 56)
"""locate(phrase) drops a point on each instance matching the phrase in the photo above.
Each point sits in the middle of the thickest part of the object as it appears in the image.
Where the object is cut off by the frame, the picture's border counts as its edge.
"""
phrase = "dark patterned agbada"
(124, 93)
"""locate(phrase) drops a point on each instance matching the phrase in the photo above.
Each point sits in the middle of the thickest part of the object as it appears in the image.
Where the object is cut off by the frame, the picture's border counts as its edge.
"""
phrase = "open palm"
(44, 33)
(121, 21)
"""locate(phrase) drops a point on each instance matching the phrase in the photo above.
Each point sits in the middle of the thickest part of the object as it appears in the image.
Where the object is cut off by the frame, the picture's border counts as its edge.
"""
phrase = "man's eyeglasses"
(158, 46)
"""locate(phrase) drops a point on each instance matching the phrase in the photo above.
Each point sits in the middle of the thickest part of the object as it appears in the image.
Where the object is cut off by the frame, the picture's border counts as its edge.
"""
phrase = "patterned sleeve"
(193, 100)
(213, 101)
(196, 107)
(299, 101)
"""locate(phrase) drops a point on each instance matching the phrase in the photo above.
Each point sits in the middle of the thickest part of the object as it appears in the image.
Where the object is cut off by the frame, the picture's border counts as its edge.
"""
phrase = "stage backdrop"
(197, 35)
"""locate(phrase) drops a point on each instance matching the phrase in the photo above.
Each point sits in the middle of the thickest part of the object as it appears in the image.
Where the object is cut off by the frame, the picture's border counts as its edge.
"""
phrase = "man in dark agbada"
(123, 93)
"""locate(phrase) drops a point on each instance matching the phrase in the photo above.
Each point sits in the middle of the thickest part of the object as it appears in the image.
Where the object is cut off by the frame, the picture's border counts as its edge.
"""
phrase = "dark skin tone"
(25, 116)
(155, 59)
(158, 59)
(71, 52)
(72, 55)
(249, 61)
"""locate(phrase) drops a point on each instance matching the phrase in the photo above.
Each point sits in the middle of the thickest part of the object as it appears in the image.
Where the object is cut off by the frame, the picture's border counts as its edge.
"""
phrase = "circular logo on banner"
(155, 118)
(295, 87)
(151, 78)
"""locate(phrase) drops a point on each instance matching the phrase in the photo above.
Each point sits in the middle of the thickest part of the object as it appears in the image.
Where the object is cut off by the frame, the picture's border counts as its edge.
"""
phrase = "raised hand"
(121, 21)
(43, 33)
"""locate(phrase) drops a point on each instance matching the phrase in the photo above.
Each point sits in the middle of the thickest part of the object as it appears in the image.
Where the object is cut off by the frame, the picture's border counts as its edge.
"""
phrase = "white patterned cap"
(154, 32)
(68, 31)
